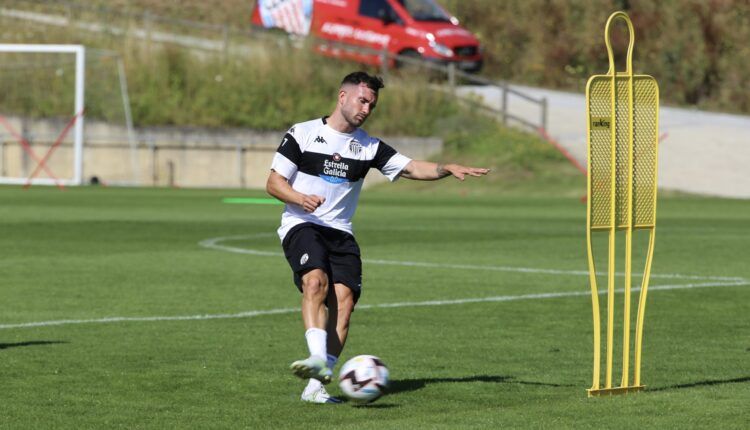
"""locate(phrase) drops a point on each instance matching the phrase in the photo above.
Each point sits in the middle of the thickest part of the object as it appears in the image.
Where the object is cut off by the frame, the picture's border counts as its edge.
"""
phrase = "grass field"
(453, 302)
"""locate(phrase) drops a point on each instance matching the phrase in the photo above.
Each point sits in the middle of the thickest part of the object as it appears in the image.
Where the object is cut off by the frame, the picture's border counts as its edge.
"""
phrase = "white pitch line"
(251, 314)
(248, 314)
(214, 243)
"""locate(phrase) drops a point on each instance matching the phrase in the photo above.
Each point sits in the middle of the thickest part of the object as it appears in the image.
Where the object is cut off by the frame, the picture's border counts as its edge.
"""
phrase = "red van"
(413, 28)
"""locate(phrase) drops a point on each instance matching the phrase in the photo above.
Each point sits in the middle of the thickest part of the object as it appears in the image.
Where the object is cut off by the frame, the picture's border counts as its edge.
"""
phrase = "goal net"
(46, 93)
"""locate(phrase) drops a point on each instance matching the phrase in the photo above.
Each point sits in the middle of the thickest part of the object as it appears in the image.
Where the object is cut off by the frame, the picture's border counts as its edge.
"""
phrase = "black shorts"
(310, 246)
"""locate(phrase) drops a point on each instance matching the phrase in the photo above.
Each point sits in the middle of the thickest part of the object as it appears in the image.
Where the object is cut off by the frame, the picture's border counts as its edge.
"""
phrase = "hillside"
(173, 86)
(696, 49)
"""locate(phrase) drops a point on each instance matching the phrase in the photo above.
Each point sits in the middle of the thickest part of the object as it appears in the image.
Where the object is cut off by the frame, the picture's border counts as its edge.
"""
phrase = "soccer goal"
(24, 86)
(46, 92)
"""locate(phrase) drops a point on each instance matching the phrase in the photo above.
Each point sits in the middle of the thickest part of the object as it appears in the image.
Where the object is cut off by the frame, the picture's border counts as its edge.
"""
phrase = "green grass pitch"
(490, 328)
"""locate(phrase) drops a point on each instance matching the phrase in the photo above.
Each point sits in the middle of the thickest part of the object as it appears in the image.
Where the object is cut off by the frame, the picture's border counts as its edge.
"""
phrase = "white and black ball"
(364, 378)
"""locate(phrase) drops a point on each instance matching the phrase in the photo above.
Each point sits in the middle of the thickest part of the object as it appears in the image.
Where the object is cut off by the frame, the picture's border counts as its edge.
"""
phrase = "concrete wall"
(164, 156)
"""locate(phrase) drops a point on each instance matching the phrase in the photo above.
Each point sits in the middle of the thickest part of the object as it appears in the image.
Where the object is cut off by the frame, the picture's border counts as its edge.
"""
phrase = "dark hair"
(355, 78)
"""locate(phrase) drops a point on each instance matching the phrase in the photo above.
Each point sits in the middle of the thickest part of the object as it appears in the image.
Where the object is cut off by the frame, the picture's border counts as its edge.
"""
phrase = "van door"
(379, 25)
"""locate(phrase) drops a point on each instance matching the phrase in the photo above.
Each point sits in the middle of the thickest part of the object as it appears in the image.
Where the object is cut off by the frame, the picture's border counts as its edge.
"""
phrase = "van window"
(424, 10)
(373, 8)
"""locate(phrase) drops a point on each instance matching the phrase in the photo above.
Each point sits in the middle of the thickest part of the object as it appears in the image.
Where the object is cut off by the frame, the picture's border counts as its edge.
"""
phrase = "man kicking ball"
(318, 171)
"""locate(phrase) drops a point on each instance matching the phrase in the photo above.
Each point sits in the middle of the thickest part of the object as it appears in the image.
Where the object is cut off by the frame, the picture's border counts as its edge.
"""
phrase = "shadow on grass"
(701, 384)
(30, 343)
(373, 405)
(404, 385)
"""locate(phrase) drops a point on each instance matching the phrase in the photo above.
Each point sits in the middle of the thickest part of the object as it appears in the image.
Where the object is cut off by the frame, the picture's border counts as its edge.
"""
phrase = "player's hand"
(310, 202)
(460, 172)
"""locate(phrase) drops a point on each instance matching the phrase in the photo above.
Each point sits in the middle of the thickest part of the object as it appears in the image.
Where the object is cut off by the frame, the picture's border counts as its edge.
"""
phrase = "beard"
(355, 120)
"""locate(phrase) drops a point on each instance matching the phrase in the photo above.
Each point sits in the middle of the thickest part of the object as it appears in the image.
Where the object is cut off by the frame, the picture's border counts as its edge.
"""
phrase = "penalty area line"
(257, 313)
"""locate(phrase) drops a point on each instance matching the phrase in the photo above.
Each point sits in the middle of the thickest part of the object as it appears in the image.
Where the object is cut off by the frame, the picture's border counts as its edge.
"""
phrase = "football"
(364, 378)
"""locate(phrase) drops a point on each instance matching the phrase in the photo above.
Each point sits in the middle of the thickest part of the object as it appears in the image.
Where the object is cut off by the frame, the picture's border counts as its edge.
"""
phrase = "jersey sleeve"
(287, 158)
(389, 161)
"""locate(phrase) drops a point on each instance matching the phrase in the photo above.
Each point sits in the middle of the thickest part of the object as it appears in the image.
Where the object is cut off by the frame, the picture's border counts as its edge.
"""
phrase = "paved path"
(701, 152)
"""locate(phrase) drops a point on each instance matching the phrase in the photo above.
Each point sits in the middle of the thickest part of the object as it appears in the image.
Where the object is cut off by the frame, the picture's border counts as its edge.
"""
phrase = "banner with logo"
(292, 16)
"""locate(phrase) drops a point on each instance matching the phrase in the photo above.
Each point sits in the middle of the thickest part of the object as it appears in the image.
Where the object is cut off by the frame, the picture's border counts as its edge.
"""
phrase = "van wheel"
(409, 59)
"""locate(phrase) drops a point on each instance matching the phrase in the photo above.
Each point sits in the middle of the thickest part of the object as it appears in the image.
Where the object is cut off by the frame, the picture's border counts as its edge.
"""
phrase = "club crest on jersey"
(355, 147)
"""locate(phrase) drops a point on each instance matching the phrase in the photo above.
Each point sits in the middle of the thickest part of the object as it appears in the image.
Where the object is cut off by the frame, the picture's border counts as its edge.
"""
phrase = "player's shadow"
(701, 384)
(404, 385)
(379, 405)
(30, 343)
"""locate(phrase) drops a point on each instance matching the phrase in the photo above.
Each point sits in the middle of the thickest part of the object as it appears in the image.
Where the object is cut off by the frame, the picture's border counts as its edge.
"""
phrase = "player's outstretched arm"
(429, 171)
(279, 187)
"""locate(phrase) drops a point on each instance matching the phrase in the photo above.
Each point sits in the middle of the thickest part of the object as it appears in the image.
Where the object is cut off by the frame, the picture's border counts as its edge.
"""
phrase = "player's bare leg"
(340, 306)
(314, 293)
(314, 316)
(340, 303)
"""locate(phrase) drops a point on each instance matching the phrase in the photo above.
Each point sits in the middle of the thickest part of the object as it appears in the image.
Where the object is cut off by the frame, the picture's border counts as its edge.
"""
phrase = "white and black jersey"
(316, 159)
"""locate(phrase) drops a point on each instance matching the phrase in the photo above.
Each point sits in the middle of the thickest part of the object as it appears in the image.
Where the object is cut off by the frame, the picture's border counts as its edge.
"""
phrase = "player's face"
(358, 102)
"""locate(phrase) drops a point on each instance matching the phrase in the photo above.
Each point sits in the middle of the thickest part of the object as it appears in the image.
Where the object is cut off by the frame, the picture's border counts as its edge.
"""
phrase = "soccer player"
(318, 172)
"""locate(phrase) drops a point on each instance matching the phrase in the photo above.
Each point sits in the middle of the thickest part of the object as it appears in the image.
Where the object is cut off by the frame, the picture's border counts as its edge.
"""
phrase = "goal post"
(76, 118)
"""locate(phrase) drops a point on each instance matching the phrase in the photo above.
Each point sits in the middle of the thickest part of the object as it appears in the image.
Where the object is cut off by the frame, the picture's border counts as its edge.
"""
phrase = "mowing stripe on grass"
(250, 314)
(250, 201)
(214, 243)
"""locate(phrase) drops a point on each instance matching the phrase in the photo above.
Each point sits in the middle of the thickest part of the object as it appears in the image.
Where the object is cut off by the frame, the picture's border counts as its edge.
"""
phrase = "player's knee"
(315, 285)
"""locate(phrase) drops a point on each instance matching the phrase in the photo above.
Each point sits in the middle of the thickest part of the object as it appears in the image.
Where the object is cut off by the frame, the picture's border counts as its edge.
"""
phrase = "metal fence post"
(544, 113)
(384, 62)
(3, 163)
(26, 135)
(69, 15)
(171, 170)
(225, 42)
(147, 24)
(154, 165)
(241, 165)
(452, 75)
(504, 103)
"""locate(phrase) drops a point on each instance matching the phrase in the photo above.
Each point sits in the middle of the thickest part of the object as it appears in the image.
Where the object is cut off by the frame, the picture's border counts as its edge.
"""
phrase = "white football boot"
(312, 368)
(318, 395)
